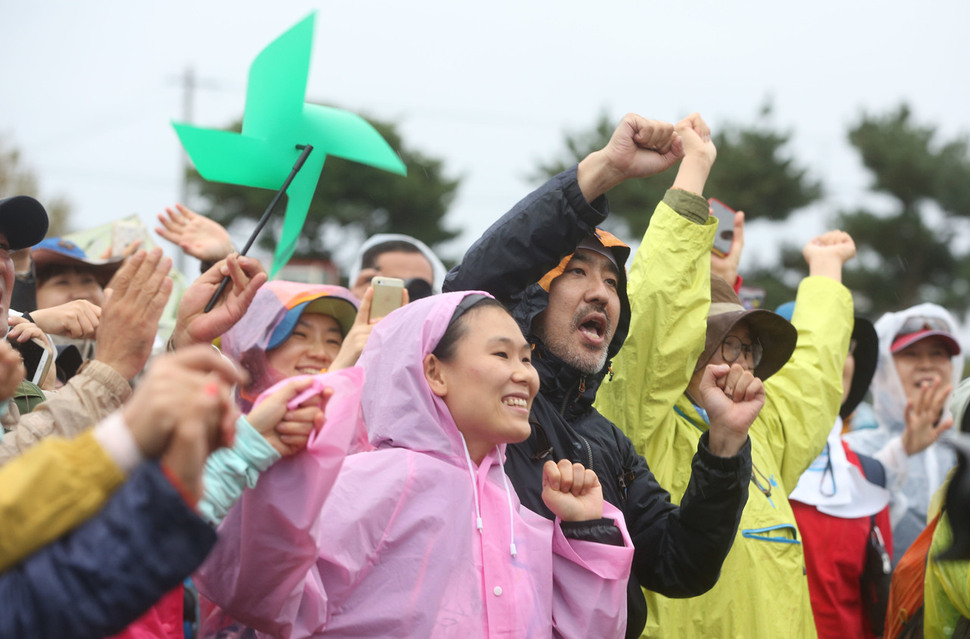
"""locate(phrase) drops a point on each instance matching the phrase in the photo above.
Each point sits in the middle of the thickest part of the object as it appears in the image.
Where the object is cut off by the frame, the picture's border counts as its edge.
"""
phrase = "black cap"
(23, 220)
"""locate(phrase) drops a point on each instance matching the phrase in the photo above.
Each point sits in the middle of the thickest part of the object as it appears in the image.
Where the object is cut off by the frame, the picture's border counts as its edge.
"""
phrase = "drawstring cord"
(471, 475)
(508, 496)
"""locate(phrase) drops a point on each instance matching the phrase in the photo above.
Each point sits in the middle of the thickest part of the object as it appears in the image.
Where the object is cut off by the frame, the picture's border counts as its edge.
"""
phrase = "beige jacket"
(94, 393)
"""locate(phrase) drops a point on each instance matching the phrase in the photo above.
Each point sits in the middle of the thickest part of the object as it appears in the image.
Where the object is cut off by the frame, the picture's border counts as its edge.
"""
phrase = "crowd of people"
(536, 443)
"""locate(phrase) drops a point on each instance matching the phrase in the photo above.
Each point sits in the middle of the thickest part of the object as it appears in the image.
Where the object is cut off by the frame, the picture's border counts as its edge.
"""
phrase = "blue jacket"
(104, 575)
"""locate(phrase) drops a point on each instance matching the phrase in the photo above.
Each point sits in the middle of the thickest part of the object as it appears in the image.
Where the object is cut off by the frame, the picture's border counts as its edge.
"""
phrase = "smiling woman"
(290, 329)
(423, 536)
(482, 369)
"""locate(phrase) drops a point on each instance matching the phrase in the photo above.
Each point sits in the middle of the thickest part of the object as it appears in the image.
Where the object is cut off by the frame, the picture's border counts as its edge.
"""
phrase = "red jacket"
(835, 554)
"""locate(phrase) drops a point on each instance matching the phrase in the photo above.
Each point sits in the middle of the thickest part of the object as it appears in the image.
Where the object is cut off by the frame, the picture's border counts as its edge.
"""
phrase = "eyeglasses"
(917, 324)
(732, 348)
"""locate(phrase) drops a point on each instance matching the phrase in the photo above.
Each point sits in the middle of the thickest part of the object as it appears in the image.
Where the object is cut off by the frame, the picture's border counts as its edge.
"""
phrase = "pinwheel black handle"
(307, 148)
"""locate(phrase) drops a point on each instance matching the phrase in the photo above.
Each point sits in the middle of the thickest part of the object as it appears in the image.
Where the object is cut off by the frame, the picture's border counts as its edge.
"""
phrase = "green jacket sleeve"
(51, 489)
(669, 289)
(229, 471)
(802, 400)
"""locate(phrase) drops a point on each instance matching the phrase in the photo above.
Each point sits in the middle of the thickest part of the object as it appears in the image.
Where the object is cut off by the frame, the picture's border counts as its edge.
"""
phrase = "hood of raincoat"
(889, 398)
(246, 341)
(559, 380)
(400, 409)
(437, 268)
(927, 469)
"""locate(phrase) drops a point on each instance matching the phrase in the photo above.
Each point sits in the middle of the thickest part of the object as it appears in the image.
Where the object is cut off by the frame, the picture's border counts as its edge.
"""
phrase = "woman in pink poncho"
(424, 537)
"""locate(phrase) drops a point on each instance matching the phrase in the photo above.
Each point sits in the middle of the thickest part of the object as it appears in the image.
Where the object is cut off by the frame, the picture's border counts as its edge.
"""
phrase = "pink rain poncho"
(385, 543)
(246, 341)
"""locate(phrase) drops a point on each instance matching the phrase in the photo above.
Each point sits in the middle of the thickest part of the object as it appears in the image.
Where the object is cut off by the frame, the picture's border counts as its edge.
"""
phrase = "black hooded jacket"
(678, 550)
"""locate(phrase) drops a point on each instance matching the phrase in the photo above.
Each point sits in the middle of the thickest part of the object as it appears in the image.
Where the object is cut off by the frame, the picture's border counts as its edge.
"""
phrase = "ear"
(434, 374)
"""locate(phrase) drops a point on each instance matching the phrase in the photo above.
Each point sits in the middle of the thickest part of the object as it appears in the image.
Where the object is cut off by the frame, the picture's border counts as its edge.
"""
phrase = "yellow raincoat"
(762, 590)
(946, 590)
(49, 490)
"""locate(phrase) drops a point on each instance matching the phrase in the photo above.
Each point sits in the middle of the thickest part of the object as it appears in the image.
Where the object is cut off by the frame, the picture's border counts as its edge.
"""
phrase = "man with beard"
(576, 316)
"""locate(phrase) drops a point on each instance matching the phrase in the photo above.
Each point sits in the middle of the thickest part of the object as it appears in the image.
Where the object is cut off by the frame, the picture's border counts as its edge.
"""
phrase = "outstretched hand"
(732, 397)
(923, 423)
(571, 491)
(288, 430)
(827, 253)
(192, 325)
(699, 154)
(134, 300)
(638, 148)
(197, 235)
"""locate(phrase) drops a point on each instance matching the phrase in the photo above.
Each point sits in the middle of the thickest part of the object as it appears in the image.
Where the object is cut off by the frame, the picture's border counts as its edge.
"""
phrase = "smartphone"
(387, 296)
(725, 227)
(37, 358)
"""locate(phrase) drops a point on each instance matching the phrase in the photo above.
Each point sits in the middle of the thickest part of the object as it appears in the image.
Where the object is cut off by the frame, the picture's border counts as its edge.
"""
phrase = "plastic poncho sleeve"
(51, 489)
(522, 238)
(228, 471)
(265, 560)
(576, 610)
(802, 400)
(108, 572)
(669, 289)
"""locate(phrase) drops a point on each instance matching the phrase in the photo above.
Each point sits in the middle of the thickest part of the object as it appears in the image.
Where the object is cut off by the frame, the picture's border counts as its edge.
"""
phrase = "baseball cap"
(23, 220)
(915, 329)
(338, 308)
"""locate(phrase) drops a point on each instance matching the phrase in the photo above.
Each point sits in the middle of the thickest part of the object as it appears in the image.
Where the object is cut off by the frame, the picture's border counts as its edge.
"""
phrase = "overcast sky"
(89, 89)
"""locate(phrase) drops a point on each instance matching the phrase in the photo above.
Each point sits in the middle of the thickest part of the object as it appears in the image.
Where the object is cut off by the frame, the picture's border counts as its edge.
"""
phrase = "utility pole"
(188, 99)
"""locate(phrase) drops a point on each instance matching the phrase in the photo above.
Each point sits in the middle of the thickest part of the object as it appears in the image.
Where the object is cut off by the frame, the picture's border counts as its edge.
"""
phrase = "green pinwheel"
(276, 125)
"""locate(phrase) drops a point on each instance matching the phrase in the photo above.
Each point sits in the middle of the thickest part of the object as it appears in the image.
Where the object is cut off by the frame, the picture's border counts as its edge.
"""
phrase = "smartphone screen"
(387, 296)
(725, 227)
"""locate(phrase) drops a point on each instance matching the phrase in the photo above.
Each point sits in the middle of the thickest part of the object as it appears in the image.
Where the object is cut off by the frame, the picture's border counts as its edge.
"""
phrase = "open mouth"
(593, 326)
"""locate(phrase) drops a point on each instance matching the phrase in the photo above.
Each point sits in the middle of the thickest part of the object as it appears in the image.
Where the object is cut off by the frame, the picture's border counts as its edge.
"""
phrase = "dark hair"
(369, 258)
(44, 272)
(458, 326)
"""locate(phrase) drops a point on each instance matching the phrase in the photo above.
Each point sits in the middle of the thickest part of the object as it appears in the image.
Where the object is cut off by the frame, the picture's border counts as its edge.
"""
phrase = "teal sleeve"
(228, 471)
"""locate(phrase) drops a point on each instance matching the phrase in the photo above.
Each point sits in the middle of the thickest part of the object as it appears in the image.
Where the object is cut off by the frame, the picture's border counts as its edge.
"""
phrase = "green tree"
(350, 199)
(908, 255)
(754, 173)
(18, 179)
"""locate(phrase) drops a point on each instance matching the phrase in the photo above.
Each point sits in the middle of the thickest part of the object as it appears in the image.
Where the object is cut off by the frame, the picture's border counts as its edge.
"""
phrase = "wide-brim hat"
(776, 334)
(23, 220)
(58, 250)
